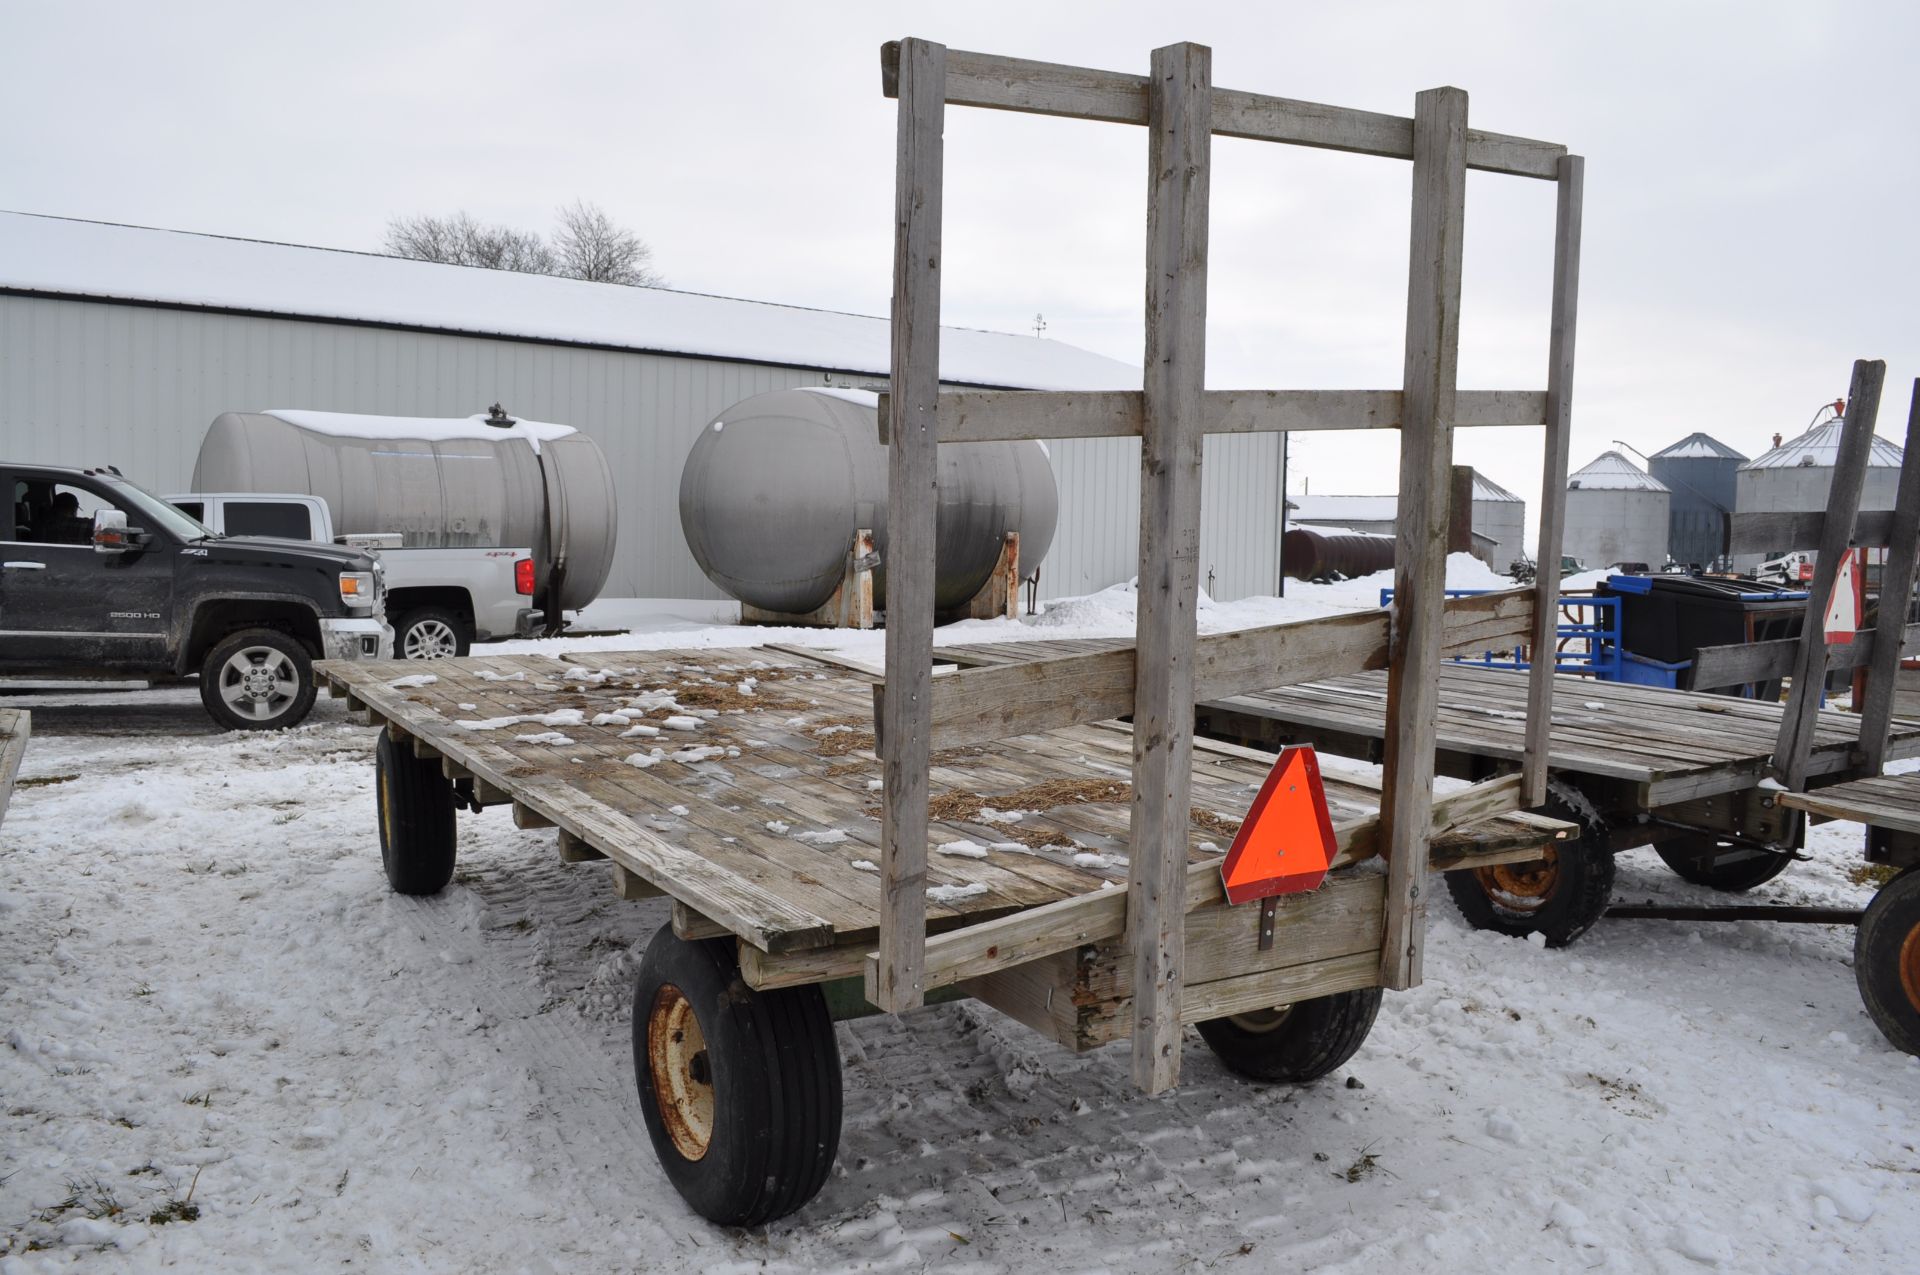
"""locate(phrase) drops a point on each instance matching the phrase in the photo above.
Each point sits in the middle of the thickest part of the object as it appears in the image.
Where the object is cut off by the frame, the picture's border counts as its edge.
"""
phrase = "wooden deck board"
(774, 823)
(1885, 801)
(1679, 744)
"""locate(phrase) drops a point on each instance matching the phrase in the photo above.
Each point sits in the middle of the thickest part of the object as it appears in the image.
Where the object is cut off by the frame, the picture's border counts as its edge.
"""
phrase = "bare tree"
(587, 245)
(590, 246)
(461, 241)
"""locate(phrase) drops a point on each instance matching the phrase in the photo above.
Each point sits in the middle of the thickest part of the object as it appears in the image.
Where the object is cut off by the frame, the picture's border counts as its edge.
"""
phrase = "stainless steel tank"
(776, 486)
(439, 483)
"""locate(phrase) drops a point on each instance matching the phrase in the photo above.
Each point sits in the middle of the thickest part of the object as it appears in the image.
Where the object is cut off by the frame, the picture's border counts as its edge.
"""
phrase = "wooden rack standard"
(1158, 680)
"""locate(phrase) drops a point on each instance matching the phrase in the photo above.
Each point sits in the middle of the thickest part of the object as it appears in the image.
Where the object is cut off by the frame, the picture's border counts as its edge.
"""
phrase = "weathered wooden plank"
(1718, 666)
(1420, 558)
(1179, 147)
(692, 925)
(1779, 532)
(573, 850)
(16, 728)
(1096, 917)
(1896, 596)
(997, 701)
(1553, 472)
(1044, 88)
(1245, 993)
(976, 416)
(630, 885)
(524, 816)
(912, 496)
(1888, 801)
(1789, 764)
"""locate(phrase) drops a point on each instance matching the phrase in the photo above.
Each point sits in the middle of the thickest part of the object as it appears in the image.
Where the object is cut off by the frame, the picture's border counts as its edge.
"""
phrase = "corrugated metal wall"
(1609, 525)
(90, 383)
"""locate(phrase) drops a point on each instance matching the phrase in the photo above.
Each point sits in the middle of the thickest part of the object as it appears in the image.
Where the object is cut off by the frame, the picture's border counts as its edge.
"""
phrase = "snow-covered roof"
(1820, 447)
(1344, 509)
(1697, 446)
(171, 267)
(1610, 471)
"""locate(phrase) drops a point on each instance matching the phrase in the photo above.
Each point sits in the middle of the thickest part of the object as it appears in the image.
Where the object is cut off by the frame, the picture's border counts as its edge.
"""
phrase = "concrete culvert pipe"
(776, 486)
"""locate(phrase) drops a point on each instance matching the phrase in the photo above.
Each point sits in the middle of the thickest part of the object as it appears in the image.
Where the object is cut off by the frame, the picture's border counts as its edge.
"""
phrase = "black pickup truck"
(99, 578)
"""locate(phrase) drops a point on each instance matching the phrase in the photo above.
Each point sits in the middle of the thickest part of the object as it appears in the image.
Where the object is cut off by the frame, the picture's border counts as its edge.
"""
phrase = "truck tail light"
(523, 576)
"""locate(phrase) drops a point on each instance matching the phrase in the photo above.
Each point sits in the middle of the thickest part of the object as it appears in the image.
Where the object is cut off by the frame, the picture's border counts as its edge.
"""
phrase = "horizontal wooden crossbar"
(979, 416)
(1094, 918)
(977, 705)
(1767, 532)
(1736, 665)
(1114, 97)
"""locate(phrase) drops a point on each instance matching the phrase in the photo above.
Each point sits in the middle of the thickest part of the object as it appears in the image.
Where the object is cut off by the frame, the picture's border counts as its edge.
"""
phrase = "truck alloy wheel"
(257, 679)
(429, 634)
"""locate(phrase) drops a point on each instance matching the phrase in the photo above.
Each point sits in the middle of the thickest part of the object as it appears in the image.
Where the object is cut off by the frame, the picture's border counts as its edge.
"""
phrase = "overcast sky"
(1751, 179)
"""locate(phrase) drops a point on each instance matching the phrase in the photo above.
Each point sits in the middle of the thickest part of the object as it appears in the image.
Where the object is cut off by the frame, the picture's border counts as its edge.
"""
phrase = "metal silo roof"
(1484, 488)
(1610, 471)
(1819, 448)
(1697, 446)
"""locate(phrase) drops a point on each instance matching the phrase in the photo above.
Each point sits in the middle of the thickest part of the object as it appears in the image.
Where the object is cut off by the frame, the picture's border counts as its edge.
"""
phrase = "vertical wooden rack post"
(1159, 679)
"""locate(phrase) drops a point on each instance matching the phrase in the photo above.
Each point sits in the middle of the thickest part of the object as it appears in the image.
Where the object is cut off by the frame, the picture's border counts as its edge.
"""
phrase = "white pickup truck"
(439, 601)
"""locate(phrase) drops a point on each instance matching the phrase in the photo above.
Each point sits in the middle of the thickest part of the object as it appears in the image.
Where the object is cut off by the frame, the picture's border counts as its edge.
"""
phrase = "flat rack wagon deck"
(1674, 745)
(751, 802)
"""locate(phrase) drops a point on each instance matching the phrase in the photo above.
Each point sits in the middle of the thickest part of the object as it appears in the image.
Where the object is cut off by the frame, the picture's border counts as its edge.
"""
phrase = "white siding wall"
(89, 383)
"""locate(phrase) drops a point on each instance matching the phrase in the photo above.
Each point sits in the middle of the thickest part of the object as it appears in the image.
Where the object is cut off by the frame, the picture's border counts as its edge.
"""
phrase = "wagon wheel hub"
(1521, 887)
(682, 1072)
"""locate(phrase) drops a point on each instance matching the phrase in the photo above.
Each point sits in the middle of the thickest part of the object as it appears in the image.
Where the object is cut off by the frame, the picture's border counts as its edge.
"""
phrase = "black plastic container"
(1670, 617)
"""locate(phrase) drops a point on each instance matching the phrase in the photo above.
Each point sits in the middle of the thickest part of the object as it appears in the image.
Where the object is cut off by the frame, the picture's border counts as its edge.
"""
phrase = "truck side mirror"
(111, 533)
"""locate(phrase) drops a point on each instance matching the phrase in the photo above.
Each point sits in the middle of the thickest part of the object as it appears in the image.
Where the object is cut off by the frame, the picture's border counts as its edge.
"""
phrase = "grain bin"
(1699, 474)
(1616, 512)
(1794, 478)
(489, 481)
(776, 486)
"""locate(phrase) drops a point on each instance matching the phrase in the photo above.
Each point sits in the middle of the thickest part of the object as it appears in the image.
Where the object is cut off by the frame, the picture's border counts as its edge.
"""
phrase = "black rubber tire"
(215, 680)
(1685, 856)
(1309, 1040)
(774, 1064)
(418, 837)
(1576, 892)
(1886, 960)
(409, 620)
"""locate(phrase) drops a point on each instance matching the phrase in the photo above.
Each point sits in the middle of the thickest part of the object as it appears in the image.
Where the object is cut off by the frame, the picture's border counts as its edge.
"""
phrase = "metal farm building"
(120, 344)
(1499, 518)
(1616, 512)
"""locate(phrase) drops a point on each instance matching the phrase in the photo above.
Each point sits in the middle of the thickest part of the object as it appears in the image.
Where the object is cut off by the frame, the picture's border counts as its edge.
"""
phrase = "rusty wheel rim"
(1910, 967)
(1522, 888)
(682, 1073)
(1262, 1021)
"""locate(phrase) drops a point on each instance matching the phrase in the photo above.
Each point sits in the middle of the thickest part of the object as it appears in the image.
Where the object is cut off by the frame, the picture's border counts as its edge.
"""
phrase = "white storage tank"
(1794, 477)
(486, 480)
(776, 486)
(1616, 512)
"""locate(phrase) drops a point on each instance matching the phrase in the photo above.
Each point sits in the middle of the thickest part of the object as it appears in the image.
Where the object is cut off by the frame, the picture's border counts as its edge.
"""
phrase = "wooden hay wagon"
(836, 836)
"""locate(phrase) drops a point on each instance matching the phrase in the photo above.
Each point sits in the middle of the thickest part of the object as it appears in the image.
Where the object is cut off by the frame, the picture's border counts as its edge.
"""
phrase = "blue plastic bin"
(1641, 671)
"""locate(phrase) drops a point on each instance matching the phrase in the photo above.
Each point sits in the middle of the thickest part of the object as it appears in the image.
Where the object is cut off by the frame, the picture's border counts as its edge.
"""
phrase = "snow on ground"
(210, 992)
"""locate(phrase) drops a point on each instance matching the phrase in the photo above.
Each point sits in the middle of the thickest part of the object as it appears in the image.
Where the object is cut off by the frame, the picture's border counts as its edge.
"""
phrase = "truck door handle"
(24, 566)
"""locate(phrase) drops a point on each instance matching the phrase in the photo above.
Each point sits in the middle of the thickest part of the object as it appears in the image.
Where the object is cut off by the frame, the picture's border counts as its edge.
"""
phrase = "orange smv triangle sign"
(1286, 844)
